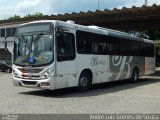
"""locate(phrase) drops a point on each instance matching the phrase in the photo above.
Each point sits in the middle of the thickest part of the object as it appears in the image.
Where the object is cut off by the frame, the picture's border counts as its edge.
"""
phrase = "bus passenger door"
(66, 60)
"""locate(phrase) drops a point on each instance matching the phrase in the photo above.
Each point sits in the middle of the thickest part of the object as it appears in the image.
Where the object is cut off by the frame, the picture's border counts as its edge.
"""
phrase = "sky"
(10, 8)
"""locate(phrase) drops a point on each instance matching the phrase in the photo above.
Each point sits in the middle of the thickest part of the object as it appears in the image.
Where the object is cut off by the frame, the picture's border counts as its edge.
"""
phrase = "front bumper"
(41, 84)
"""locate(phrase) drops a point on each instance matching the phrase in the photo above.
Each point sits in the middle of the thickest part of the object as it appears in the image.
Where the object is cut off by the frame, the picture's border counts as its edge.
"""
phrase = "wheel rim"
(83, 81)
(135, 76)
(8, 70)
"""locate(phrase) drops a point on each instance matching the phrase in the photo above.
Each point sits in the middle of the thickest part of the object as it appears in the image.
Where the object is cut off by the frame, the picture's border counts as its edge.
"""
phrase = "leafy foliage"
(15, 17)
(157, 48)
(38, 14)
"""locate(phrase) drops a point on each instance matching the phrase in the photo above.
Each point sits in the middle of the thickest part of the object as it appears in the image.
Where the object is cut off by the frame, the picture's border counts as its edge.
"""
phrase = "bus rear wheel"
(135, 75)
(84, 81)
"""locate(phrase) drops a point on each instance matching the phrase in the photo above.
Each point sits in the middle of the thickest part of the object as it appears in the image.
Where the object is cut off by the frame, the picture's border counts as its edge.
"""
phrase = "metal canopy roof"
(145, 17)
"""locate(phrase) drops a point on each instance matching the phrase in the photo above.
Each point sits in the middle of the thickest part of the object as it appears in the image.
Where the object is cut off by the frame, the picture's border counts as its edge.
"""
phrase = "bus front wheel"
(84, 81)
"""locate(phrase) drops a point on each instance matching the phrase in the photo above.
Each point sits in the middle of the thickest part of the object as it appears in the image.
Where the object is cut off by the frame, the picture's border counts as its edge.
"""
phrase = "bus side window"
(60, 44)
(84, 42)
(113, 46)
(65, 46)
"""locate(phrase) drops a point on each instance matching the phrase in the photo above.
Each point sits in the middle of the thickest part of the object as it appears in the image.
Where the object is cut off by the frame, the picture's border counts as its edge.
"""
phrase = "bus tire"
(135, 75)
(85, 81)
(8, 70)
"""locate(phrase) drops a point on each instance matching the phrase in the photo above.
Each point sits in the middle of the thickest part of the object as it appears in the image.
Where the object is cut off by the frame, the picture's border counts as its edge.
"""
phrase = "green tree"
(154, 34)
(15, 17)
(38, 14)
(157, 48)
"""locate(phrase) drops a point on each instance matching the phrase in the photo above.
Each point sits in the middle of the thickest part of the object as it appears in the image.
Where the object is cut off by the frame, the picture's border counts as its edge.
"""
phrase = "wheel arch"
(87, 70)
(135, 74)
(135, 68)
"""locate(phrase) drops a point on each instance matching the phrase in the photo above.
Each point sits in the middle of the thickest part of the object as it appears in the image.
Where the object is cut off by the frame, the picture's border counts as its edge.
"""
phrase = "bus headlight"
(15, 74)
(47, 74)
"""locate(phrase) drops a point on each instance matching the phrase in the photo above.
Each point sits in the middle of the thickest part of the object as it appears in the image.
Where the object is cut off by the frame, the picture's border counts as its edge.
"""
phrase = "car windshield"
(33, 49)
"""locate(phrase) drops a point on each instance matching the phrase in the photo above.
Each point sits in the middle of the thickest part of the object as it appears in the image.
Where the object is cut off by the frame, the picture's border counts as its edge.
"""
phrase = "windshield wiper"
(37, 37)
(31, 43)
(25, 45)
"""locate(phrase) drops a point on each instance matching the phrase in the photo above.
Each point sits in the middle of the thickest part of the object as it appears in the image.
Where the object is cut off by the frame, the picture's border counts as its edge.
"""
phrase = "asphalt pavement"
(112, 98)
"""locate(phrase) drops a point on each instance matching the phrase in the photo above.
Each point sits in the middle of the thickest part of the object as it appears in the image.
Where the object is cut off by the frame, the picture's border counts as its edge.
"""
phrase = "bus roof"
(94, 29)
(101, 30)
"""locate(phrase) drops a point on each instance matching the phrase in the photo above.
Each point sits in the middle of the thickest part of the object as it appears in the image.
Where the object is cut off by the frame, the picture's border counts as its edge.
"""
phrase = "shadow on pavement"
(98, 89)
(156, 74)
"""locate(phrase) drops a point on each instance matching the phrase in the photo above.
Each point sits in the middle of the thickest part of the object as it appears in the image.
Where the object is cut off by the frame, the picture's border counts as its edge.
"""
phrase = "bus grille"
(29, 82)
(27, 70)
(33, 77)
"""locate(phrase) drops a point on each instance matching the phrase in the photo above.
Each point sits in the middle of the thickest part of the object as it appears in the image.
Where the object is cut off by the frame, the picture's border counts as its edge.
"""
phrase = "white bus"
(52, 54)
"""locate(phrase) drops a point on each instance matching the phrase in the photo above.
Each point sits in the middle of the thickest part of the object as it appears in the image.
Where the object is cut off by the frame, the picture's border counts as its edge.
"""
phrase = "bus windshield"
(34, 50)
